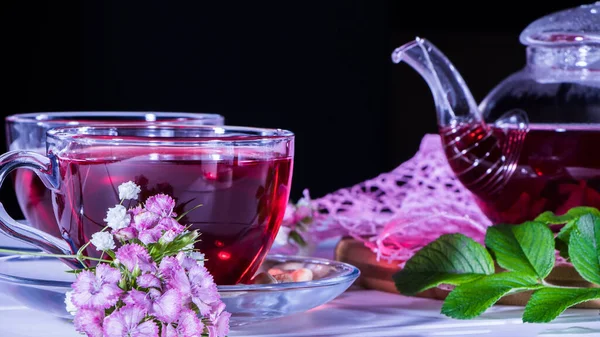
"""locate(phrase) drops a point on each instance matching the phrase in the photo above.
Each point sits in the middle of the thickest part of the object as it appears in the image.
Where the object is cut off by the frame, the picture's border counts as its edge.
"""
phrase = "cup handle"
(47, 169)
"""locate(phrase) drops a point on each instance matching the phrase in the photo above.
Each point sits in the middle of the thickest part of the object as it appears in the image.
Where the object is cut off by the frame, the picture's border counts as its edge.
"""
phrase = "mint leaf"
(568, 219)
(574, 213)
(474, 298)
(527, 248)
(295, 236)
(562, 238)
(451, 259)
(583, 247)
(547, 303)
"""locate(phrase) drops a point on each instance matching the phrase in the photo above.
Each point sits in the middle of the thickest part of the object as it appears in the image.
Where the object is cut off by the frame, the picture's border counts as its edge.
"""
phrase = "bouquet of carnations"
(153, 284)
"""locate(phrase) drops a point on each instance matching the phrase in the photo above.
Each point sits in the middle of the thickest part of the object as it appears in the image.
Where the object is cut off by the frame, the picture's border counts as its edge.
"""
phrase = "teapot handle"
(47, 170)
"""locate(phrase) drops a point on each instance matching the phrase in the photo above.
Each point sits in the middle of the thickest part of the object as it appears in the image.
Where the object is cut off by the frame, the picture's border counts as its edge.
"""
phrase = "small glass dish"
(40, 283)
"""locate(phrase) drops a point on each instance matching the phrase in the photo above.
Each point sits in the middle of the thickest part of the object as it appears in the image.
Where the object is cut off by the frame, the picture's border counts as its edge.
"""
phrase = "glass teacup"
(27, 131)
(240, 175)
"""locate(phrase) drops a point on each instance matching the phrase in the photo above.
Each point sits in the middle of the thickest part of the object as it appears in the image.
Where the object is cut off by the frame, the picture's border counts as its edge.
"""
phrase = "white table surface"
(356, 313)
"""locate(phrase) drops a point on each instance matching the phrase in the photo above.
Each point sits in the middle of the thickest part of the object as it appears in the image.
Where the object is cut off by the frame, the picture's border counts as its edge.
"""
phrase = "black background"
(319, 68)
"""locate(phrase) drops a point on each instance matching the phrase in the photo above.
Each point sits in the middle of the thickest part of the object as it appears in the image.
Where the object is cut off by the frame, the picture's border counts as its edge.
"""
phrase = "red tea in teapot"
(557, 167)
(514, 166)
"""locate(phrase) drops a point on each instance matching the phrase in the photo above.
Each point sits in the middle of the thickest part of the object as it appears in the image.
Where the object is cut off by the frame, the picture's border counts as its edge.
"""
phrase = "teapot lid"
(578, 25)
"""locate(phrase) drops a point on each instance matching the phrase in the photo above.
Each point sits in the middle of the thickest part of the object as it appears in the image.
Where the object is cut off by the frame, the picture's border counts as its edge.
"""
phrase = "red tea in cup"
(241, 177)
(27, 131)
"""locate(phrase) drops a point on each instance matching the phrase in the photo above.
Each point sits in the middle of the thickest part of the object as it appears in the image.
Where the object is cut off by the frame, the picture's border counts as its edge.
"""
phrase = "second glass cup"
(27, 131)
(240, 175)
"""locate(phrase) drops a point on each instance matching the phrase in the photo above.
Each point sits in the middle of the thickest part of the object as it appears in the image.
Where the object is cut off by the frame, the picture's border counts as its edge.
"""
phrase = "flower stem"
(185, 213)
(95, 259)
(19, 252)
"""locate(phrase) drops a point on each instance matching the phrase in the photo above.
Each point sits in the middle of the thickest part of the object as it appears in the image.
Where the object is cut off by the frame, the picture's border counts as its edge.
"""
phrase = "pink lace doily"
(398, 212)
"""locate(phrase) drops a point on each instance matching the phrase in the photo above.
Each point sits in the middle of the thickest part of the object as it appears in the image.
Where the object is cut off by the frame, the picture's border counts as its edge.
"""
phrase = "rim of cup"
(87, 117)
(108, 134)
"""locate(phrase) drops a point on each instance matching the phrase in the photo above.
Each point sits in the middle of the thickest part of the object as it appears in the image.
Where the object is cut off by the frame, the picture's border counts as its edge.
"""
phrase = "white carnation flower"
(71, 308)
(117, 217)
(103, 241)
(189, 251)
(282, 236)
(129, 190)
(199, 257)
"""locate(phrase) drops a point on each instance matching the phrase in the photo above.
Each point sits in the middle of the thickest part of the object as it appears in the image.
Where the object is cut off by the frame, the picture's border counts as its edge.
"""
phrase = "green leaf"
(180, 242)
(527, 248)
(583, 247)
(565, 232)
(295, 236)
(562, 238)
(547, 303)
(451, 259)
(568, 219)
(472, 299)
(187, 212)
(574, 213)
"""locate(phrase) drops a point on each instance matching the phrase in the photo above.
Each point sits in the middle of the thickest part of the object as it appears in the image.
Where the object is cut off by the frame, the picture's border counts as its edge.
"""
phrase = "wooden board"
(378, 275)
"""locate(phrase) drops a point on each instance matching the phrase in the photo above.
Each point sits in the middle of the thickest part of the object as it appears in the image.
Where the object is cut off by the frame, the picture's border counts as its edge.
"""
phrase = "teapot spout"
(454, 102)
(483, 157)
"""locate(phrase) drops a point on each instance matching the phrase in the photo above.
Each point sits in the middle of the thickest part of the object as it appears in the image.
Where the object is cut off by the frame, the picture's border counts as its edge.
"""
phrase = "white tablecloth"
(356, 313)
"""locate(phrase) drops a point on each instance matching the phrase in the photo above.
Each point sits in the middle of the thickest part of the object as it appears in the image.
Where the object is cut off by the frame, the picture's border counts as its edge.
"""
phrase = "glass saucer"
(41, 283)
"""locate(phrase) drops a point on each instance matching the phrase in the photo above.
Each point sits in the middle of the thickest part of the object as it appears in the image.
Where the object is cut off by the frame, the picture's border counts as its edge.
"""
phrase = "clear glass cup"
(240, 176)
(27, 131)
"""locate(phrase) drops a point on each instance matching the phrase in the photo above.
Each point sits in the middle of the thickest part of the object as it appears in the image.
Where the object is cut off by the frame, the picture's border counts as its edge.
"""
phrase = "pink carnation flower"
(176, 297)
(89, 322)
(289, 217)
(303, 211)
(166, 307)
(97, 291)
(161, 204)
(170, 224)
(188, 325)
(150, 236)
(185, 261)
(203, 288)
(136, 210)
(145, 220)
(133, 255)
(146, 224)
(174, 277)
(126, 233)
(156, 219)
(219, 319)
(127, 321)
(148, 281)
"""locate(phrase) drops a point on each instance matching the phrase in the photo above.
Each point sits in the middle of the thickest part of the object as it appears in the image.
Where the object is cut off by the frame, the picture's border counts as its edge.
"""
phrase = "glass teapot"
(532, 145)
